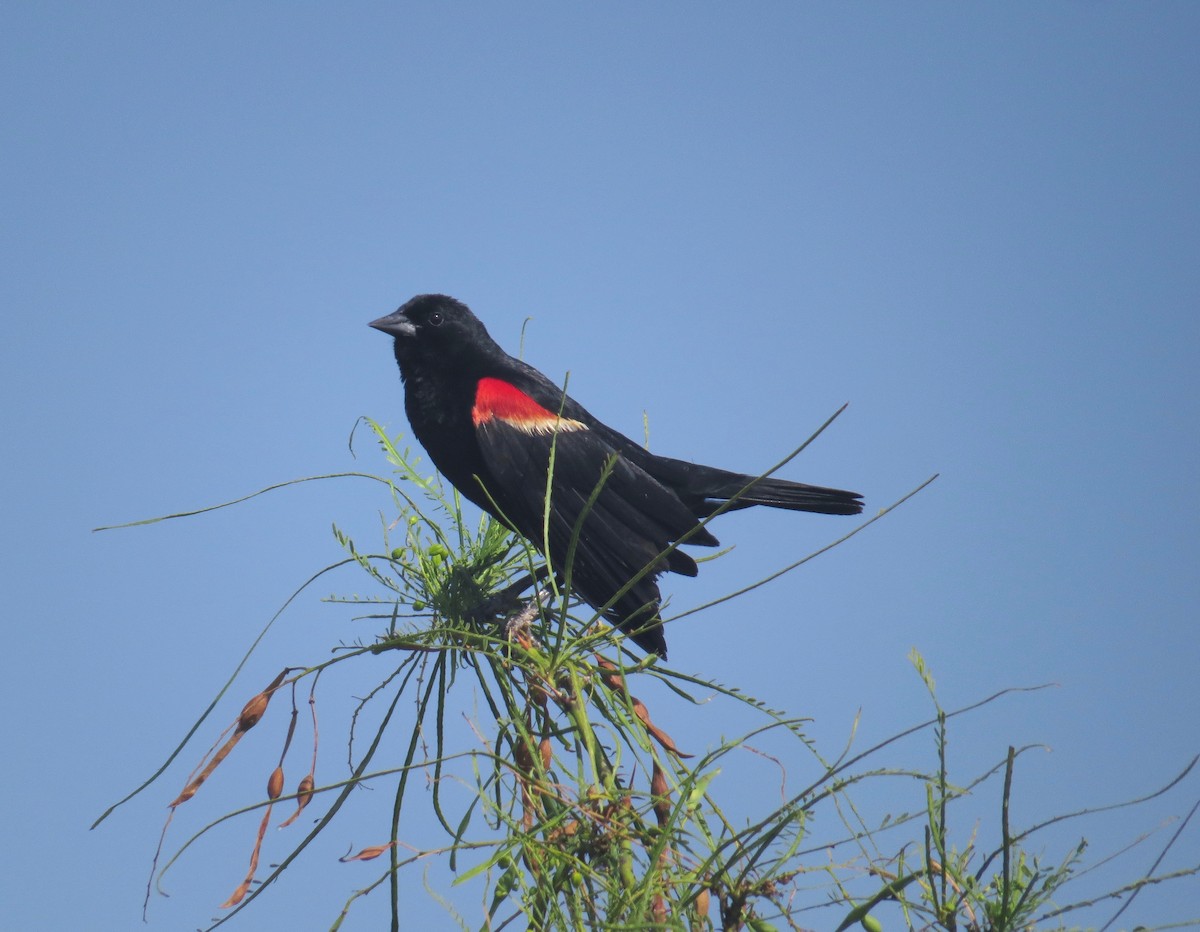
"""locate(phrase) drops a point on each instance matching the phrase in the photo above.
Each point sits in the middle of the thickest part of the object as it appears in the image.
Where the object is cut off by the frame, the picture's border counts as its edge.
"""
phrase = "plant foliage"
(571, 807)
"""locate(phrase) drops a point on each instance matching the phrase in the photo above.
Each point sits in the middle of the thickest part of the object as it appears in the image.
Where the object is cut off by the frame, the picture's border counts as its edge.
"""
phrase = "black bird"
(490, 422)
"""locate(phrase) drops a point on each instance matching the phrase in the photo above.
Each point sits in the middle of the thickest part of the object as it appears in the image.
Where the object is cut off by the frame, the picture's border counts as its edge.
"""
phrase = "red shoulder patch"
(496, 399)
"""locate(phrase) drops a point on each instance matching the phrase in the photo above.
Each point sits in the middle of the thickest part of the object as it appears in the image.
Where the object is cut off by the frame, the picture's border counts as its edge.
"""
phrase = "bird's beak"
(397, 324)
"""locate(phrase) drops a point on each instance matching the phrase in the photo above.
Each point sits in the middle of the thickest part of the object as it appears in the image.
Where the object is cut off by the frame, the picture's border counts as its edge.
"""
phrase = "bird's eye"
(435, 319)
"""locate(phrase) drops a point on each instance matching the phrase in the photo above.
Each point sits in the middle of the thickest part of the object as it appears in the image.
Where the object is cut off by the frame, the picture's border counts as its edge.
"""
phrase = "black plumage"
(491, 422)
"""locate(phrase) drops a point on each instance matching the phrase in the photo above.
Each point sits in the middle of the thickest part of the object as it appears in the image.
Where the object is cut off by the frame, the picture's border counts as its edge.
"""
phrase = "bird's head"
(436, 329)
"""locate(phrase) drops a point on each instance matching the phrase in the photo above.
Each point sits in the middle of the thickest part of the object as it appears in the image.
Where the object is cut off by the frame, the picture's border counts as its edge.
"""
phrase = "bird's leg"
(518, 626)
(504, 601)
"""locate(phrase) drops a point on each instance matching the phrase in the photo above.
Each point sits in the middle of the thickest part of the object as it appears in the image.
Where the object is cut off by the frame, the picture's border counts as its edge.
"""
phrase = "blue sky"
(979, 225)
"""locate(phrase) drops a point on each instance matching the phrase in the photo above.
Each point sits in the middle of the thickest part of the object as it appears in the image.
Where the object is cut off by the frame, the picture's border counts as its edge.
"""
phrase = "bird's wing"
(608, 518)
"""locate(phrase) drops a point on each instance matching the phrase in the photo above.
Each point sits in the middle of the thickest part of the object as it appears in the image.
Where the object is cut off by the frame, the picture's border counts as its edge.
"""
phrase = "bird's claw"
(518, 626)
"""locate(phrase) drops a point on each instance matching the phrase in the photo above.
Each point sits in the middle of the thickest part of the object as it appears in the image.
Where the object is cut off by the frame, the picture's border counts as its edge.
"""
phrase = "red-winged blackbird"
(491, 423)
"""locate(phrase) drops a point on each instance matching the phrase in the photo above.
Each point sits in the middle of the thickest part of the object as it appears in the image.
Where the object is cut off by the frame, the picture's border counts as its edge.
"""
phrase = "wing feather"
(624, 526)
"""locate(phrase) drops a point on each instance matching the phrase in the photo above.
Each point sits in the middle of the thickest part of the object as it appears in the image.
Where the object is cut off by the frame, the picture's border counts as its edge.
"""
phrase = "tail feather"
(704, 489)
(780, 493)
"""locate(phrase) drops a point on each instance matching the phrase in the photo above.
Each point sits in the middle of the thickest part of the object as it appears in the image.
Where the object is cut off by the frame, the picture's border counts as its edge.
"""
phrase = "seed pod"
(275, 783)
(611, 675)
(522, 756)
(238, 895)
(253, 711)
(537, 692)
(660, 794)
(304, 794)
(367, 854)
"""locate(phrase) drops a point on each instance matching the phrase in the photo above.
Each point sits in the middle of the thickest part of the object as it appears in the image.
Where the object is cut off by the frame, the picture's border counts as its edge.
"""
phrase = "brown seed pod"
(522, 756)
(367, 854)
(304, 794)
(612, 674)
(188, 792)
(275, 783)
(537, 692)
(661, 795)
(253, 711)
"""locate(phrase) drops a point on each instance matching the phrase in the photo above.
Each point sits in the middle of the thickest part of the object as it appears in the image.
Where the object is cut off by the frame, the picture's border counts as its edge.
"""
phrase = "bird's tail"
(780, 493)
(705, 489)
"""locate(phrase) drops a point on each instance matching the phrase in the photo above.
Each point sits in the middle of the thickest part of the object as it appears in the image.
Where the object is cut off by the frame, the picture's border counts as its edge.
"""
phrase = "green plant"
(569, 806)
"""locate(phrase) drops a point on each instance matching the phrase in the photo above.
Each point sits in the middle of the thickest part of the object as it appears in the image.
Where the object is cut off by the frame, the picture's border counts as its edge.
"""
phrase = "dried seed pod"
(547, 753)
(244, 886)
(214, 762)
(275, 783)
(253, 711)
(304, 794)
(537, 692)
(612, 674)
(643, 716)
(661, 795)
(238, 895)
(188, 792)
(367, 854)
(522, 756)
